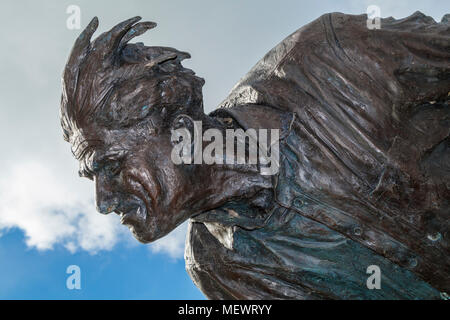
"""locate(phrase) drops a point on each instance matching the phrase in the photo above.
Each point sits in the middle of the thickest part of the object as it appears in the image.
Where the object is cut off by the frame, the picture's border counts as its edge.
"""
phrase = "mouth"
(134, 216)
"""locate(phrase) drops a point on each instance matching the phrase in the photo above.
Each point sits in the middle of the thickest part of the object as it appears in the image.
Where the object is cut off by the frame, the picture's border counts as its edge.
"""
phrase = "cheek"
(171, 178)
(151, 164)
(139, 177)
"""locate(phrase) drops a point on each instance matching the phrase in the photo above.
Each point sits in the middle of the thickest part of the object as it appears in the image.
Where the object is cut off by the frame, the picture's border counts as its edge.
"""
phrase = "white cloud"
(49, 212)
(52, 210)
(173, 243)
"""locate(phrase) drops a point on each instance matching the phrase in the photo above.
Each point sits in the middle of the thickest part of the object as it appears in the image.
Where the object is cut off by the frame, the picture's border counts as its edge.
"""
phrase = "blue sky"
(47, 218)
(122, 273)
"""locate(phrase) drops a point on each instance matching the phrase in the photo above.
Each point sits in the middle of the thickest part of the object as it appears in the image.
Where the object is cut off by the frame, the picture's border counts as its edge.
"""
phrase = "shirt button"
(413, 262)
(298, 202)
(357, 231)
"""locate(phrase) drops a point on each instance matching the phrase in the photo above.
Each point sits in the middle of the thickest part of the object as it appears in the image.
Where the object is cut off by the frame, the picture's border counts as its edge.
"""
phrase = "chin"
(142, 238)
(148, 228)
(144, 235)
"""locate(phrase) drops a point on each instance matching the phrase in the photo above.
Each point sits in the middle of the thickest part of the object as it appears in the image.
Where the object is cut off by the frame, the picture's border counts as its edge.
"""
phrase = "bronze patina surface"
(364, 175)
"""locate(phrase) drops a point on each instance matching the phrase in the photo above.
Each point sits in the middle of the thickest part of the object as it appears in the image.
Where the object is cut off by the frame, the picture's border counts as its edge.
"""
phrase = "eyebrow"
(114, 151)
(85, 166)
(111, 155)
(81, 147)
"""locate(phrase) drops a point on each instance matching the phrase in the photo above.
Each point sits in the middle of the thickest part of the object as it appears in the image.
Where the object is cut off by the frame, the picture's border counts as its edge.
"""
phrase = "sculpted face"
(135, 178)
(117, 106)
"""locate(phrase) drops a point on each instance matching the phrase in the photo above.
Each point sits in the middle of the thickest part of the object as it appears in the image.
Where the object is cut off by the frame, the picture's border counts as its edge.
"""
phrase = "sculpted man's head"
(119, 104)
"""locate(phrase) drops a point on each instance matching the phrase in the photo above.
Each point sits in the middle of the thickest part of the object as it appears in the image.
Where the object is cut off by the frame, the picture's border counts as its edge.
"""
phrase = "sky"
(47, 216)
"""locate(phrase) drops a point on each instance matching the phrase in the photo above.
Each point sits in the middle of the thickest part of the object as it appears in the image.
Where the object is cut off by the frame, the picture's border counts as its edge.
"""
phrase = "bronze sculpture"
(364, 166)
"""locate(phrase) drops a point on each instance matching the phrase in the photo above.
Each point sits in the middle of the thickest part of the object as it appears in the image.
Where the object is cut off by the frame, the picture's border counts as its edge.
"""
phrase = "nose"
(105, 199)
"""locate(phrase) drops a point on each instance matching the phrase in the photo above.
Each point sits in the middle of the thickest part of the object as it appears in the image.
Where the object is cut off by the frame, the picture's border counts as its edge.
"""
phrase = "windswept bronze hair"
(111, 83)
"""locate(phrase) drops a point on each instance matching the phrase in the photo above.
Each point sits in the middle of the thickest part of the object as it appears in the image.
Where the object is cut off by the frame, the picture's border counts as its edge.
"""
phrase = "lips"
(133, 216)
(124, 217)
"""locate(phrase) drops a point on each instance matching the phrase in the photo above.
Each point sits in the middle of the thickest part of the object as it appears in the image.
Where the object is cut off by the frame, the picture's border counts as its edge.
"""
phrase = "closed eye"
(113, 167)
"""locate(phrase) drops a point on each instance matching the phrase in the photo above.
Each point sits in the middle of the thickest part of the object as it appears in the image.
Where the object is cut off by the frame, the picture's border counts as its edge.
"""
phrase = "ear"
(194, 146)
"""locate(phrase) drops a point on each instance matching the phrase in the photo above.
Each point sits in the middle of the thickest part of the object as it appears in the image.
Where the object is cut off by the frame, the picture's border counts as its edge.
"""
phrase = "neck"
(225, 183)
(244, 200)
